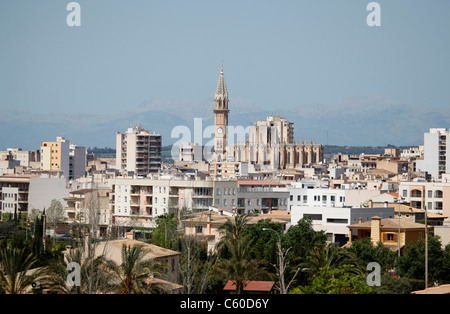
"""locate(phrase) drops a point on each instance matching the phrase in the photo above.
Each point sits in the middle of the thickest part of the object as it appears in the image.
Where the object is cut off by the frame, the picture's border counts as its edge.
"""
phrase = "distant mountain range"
(366, 121)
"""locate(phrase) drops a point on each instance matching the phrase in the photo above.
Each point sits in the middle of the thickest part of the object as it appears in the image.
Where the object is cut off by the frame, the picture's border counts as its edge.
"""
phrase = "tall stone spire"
(220, 119)
(221, 90)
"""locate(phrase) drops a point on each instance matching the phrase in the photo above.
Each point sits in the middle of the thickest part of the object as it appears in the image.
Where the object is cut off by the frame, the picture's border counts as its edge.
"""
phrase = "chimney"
(375, 232)
(360, 220)
(370, 203)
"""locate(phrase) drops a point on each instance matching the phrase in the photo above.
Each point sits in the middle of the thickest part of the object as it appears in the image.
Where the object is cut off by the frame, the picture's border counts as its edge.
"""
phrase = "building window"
(313, 216)
(390, 236)
(337, 220)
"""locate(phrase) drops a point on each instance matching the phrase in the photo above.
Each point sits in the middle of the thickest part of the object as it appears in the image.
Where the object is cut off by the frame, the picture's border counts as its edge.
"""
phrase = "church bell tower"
(220, 119)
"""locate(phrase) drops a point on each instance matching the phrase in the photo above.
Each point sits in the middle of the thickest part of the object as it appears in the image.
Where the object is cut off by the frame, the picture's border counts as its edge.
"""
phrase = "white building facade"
(436, 148)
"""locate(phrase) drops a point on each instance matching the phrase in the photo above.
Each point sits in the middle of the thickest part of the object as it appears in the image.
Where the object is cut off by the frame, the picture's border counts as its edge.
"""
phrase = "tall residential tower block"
(138, 151)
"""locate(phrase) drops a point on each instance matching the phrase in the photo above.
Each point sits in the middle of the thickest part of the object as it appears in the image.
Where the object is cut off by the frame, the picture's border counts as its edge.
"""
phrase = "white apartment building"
(315, 197)
(22, 193)
(334, 221)
(436, 148)
(412, 152)
(138, 152)
(136, 202)
(44, 188)
(190, 151)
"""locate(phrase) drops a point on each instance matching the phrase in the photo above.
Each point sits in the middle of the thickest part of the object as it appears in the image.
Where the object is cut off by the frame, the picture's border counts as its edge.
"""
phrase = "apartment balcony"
(135, 201)
(70, 210)
(146, 212)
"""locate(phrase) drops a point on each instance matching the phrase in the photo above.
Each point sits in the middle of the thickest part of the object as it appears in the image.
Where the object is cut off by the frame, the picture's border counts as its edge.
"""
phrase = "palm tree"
(331, 256)
(133, 274)
(240, 266)
(93, 275)
(233, 230)
(16, 272)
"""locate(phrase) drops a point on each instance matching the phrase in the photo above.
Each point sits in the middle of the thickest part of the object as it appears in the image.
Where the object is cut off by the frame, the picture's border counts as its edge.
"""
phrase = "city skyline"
(302, 60)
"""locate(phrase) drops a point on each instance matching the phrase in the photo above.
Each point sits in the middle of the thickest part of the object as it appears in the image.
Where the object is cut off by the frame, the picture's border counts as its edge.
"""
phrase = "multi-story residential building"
(89, 206)
(26, 158)
(138, 152)
(46, 187)
(62, 155)
(55, 156)
(436, 148)
(190, 151)
(314, 196)
(247, 196)
(25, 192)
(136, 202)
(227, 169)
(434, 196)
(14, 193)
(77, 161)
(412, 152)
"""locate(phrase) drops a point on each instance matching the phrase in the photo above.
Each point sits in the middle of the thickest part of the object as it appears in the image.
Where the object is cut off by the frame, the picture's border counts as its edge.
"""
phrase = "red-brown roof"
(252, 285)
(393, 194)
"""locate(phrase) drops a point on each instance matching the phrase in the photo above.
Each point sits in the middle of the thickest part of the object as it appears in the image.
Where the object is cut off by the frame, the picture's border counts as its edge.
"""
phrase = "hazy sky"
(275, 53)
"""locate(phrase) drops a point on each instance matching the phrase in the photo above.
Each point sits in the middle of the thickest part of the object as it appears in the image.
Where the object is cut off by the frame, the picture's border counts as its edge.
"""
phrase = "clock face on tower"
(219, 130)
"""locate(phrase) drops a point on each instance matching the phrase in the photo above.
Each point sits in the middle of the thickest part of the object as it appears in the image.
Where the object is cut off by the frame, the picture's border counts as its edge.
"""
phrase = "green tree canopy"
(338, 280)
(165, 234)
